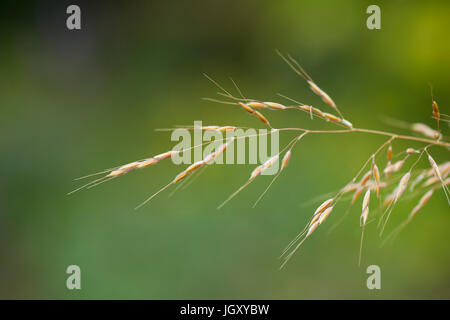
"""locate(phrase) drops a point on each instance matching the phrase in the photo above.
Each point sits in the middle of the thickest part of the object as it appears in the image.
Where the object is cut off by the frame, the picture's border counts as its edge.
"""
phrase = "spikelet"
(322, 94)
(262, 118)
(347, 123)
(376, 174)
(323, 206)
(366, 199)
(256, 105)
(312, 110)
(389, 199)
(349, 188)
(325, 214)
(331, 117)
(438, 174)
(357, 193)
(402, 186)
(389, 161)
(411, 151)
(435, 167)
(189, 169)
(389, 153)
(421, 203)
(365, 208)
(246, 108)
(444, 168)
(221, 149)
(394, 167)
(416, 181)
(266, 105)
(426, 131)
(436, 113)
(430, 181)
(286, 159)
(274, 106)
(321, 209)
(261, 168)
(365, 178)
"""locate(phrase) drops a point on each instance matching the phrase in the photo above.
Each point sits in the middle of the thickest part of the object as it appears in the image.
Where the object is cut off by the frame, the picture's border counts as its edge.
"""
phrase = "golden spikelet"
(262, 118)
(376, 174)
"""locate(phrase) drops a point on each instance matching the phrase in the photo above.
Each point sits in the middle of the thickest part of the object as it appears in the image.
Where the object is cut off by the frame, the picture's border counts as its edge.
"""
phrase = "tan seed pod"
(312, 228)
(312, 110)
(347, 123)
(388, 200)
(364, 216)
(322, 94)
(436, 113)
(266, 165)
(262, 118)
(286, 159)
(323, 206)
(129, 166)
(314, 219)
(416, 181)
(256, 172)
(421, 203)
(148, 162)
(376, 174)
(246, 108)
(389, 153)
(435, 167)
(426, 131)
(357, 194)
(394, 167)
(325, 214)
(275, 106)
(190, 169)
(331, 117)
(256, 105)
(402, 186)
(365, 178)
(166, 155)
(411, 151)
(226, 128)
(259, 169)
(430, 181)
(221, 149)
(366, 199)
(210, 128)
(349, 188)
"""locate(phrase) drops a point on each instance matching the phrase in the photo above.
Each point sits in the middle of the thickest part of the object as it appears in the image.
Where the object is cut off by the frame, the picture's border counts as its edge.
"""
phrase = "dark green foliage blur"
(76, 102)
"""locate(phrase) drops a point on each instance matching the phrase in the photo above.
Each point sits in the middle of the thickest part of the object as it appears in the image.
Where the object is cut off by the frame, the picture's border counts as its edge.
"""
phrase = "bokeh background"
(76, 102)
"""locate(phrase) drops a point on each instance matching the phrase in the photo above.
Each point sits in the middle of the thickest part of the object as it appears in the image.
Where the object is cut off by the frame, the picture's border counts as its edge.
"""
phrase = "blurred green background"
(76, 102)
